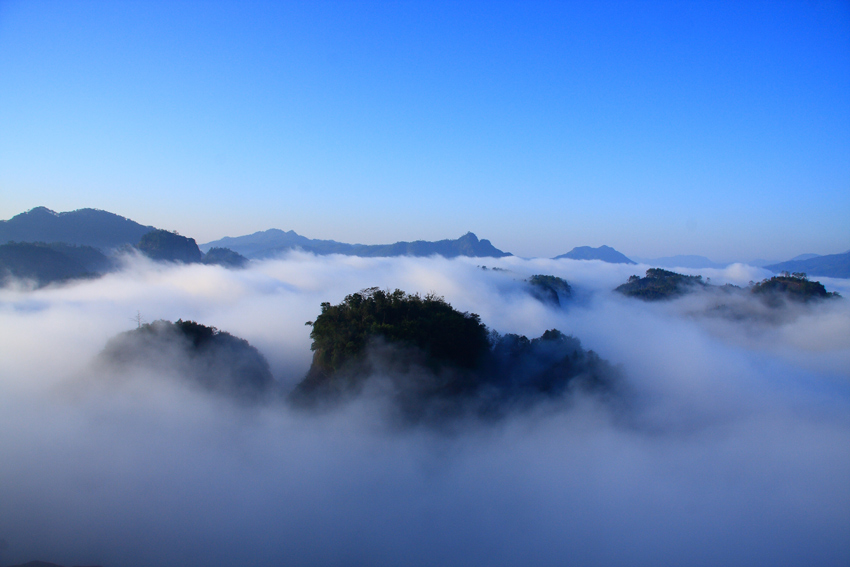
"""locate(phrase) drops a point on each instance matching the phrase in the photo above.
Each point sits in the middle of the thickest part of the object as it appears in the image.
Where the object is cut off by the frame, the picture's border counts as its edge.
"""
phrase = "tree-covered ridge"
(549, 289)
(796, 287)
(437, 359)
(225, 257)
(213, 359)
(169, 246)
(660, 284)
(44, 263)
(341, 332)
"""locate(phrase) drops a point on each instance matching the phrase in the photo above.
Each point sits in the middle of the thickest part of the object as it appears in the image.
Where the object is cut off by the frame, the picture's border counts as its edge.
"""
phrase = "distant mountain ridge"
(270, 243)
(604, 253)
(829, 266)
(83, 227)
(43, 263)
(803, 257)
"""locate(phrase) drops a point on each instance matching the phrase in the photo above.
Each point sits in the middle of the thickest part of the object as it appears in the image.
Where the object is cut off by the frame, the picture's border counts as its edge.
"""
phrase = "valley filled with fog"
(728, 442)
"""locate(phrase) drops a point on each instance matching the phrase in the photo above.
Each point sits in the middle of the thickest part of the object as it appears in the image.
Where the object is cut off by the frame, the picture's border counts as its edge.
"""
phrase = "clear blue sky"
(714, 128)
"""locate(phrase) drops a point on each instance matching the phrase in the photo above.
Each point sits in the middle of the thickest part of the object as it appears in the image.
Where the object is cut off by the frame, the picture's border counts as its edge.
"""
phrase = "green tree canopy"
(341, 332)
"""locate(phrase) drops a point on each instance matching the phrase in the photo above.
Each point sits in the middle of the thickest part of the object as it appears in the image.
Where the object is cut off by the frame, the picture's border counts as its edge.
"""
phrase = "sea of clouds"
(732, 446)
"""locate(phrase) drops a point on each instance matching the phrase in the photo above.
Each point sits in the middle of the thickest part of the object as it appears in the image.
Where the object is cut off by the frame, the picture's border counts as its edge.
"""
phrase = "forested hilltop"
(433, 361)
(660, 284)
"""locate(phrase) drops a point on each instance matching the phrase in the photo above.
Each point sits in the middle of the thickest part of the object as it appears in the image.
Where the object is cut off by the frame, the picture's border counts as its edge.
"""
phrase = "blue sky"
(658, 128)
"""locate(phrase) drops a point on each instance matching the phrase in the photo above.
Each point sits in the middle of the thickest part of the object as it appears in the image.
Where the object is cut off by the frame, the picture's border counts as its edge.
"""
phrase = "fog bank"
(733, 448)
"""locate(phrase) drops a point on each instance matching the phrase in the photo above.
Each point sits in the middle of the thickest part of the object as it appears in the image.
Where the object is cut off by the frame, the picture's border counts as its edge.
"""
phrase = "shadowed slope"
(215, 360)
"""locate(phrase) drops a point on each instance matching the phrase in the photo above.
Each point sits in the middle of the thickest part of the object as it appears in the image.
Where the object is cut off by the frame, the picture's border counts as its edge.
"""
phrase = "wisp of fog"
(731, 445)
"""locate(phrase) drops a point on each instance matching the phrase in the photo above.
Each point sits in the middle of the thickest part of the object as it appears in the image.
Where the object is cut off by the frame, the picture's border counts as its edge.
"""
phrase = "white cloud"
(732, 449)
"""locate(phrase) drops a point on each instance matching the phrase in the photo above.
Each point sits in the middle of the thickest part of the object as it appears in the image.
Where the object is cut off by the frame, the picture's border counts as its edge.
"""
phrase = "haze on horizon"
(719, 129)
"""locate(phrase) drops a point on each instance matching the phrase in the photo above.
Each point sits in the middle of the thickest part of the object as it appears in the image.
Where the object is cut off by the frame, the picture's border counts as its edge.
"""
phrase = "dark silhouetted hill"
(48, 263)
(169, 246)
(86, 227)
(773, 292)
(829, 266)
(273, 242)
(269, 243)
(659, 284)
(604, 253)
(434, 362)
(796, 287)
(466, 245)
(225, 257)
(215, 360)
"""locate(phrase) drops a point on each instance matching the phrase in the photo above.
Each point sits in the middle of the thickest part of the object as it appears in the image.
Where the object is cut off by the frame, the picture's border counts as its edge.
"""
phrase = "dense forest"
(435, 361)
(795, 287)
(660, 284)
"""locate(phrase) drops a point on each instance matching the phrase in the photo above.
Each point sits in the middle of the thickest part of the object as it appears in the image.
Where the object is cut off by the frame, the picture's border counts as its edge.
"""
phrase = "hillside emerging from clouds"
(203, 356)
(437, 362)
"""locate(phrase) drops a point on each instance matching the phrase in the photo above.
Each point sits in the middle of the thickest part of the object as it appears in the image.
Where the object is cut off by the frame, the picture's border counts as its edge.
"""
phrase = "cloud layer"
(732, 448)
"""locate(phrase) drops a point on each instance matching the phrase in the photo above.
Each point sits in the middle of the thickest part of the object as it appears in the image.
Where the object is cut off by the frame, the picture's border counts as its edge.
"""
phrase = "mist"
(732, 447)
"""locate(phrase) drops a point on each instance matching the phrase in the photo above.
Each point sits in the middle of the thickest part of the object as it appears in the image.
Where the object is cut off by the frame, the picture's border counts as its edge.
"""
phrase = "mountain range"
(830, 265)
(107, 232)
(272, 242)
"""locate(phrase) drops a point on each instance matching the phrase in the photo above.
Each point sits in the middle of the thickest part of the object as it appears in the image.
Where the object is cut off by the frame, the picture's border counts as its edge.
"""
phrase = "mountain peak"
(604, 253)
(87, 227)
(39, 211)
